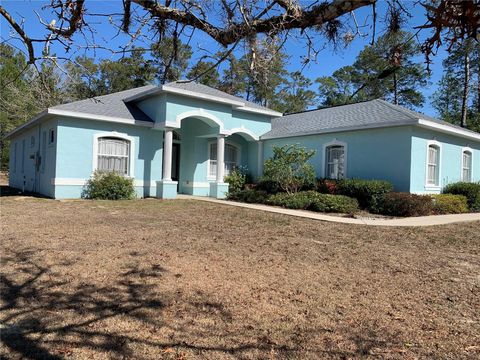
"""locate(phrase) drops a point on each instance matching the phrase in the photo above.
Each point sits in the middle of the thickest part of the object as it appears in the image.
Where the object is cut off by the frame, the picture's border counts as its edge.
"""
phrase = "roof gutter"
(48, 113)
(340, 129)
(427, 124)
(448, 129)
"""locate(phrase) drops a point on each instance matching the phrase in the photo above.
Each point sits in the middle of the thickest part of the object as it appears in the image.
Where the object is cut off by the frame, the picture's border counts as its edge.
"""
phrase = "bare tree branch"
(316, 16)
(26, 40)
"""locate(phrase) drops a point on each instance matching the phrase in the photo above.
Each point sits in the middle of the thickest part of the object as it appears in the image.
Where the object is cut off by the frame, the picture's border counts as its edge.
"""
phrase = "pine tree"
(206, 72)
(385, 70)
(171, 58)
(295, 96)
(457, 97)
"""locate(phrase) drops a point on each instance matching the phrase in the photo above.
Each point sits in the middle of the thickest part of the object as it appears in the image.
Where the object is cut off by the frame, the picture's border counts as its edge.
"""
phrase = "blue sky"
(327, 62)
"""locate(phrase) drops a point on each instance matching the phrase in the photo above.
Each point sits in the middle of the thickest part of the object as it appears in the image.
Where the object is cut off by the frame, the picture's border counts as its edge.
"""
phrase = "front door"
(176, 162)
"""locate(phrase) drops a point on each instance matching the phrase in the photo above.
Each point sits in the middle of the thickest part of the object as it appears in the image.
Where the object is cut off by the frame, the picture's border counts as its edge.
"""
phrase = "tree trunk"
(395, 88)
(478, 88)
(466, 85)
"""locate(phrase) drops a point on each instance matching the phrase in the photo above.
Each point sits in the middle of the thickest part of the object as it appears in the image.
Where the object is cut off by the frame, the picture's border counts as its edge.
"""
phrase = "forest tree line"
(391, 69)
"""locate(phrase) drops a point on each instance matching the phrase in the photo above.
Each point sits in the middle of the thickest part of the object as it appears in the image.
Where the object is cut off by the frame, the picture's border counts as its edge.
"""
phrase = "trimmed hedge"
(312, 200)
(369, 193)
(249, 196)
(449, 204)
(107, 185)
(470, 190)
(406, 204)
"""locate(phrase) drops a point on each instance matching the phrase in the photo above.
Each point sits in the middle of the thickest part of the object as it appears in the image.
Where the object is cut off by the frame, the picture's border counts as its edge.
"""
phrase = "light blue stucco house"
(184, 137)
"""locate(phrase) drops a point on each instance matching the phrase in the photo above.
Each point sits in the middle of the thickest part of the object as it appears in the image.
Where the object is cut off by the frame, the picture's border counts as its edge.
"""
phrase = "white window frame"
(239, 156)
(429, 186)
(114, 134)
(335, 142)
(470, 151)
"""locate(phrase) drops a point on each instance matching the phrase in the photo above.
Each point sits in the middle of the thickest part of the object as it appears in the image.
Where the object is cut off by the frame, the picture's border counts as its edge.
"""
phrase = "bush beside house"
(315, 201)
(449, 204)
(369, 193)
(288, 180)
(406, 204)
(290, 169)
(470, 190)
(109, 186)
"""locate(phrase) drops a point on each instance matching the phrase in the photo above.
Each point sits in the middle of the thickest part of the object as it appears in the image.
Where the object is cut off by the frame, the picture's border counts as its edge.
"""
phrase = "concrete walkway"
(412, 221)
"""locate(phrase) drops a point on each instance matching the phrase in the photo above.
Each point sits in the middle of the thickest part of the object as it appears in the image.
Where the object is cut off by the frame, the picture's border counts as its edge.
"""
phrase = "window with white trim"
(335, 162)
(466, 166)
(230, 159)
(433, 165)
(113, 155)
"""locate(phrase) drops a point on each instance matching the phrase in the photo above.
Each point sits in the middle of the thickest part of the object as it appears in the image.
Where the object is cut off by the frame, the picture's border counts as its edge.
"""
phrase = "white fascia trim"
(99, 117)
(342, 129)
(345, 154)
(448, 129)
(82, 182)
(80, 115)
(258, 111)
(114, 134)
(196, 95)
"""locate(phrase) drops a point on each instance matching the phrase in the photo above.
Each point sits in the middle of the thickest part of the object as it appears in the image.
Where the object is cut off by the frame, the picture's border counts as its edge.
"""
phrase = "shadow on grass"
(9, 191)
(46, 317)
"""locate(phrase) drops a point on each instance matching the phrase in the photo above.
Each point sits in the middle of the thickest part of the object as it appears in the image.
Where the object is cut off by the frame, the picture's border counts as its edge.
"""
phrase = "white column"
(167, 155)
(260, 158)
(220, 158)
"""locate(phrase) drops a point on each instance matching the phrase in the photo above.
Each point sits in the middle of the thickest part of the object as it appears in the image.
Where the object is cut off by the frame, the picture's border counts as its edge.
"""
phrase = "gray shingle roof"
(207, 90)
(368, 114)
(110, 105)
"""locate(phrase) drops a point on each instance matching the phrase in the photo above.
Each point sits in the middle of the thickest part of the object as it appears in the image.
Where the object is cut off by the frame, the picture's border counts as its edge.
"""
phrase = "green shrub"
(108, 186)
(406, 204)
(470, 190)
(301, 200)
(312, 200)
(289, 168)
(369, 193)
(236, 179)
(334, 203)
(249, 196)
(449, 204)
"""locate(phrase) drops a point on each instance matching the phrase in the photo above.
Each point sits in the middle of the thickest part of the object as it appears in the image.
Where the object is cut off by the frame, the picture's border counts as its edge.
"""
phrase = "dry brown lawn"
(150, 279)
